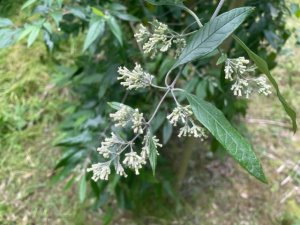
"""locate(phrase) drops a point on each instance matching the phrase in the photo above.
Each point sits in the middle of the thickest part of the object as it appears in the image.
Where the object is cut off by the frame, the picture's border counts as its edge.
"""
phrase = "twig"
(218, 9)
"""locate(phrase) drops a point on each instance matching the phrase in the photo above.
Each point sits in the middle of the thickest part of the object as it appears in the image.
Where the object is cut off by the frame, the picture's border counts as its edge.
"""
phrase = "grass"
(29, 113)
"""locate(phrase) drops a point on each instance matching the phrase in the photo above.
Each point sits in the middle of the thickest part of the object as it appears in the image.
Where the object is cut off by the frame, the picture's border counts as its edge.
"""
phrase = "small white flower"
(143, 34)
(138, 121)
(120, 170)
(137, 78)
(108, 145)
(134, 161)
(122, 116)
(264, 88)
(241, 72)
(238, 86)
(100, 171)
(195, 131)
(180, 113)
(159, 40)
(180, 45)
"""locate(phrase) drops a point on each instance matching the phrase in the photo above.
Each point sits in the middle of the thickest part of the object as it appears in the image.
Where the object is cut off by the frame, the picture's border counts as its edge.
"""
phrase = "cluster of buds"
(112, 147)
(241, 72)
(184, 115)
(160, 39)
(100, 171)
(126, 115)
(137, 78)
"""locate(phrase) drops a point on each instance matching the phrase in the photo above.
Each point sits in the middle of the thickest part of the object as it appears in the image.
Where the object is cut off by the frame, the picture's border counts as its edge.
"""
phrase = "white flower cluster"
(137, 78)
(112, 147)
(184, 115)
(122, 116)
(134, 161)
(100, 171)
(126, 115)
(241, 72)
(161, 39)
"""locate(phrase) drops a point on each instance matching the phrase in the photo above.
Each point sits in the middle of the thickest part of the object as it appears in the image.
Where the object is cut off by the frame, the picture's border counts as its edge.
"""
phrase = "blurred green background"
(39, 101)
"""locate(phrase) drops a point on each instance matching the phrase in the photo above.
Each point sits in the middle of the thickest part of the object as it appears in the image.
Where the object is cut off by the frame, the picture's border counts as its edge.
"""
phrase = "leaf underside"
(212, 34)
(236, 145)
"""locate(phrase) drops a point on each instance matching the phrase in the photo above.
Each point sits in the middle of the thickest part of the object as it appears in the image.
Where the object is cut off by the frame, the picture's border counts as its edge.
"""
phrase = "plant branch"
(218, 9)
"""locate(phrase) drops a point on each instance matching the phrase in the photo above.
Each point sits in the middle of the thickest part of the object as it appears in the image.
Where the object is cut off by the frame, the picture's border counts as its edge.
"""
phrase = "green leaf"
(237, 146)
(78, 12)
(116, 105)
(165, 2)
(115, 28)
(152, 152)
(33, 35)
(4, 22)
(125, 16)
(82, 189)
(57, 16)
(222, 59)
(98, 12)
(27, 4)
(212, 34)
(263, 67)
(167, 131)
(96, 29)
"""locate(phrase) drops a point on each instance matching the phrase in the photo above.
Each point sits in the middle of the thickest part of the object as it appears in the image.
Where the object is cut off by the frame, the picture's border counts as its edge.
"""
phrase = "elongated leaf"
(212, 34)
(152, 152)
(264, 68)
(167, 132)
(96, 30)
(98, 12)
(33, 35)
(4, 22)
(28, 3)
(115, 28)
(238, 147)
(165, 2)
(82, 189)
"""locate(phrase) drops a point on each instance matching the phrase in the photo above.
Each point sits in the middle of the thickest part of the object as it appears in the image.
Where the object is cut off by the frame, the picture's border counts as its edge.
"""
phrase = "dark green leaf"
(82, 189)
(95, 31)
(238, 147)
(125, 16)
(115, 105)
(212, 34)
(201, 90)
(263, 67)
(115, 28)
(81, 138)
